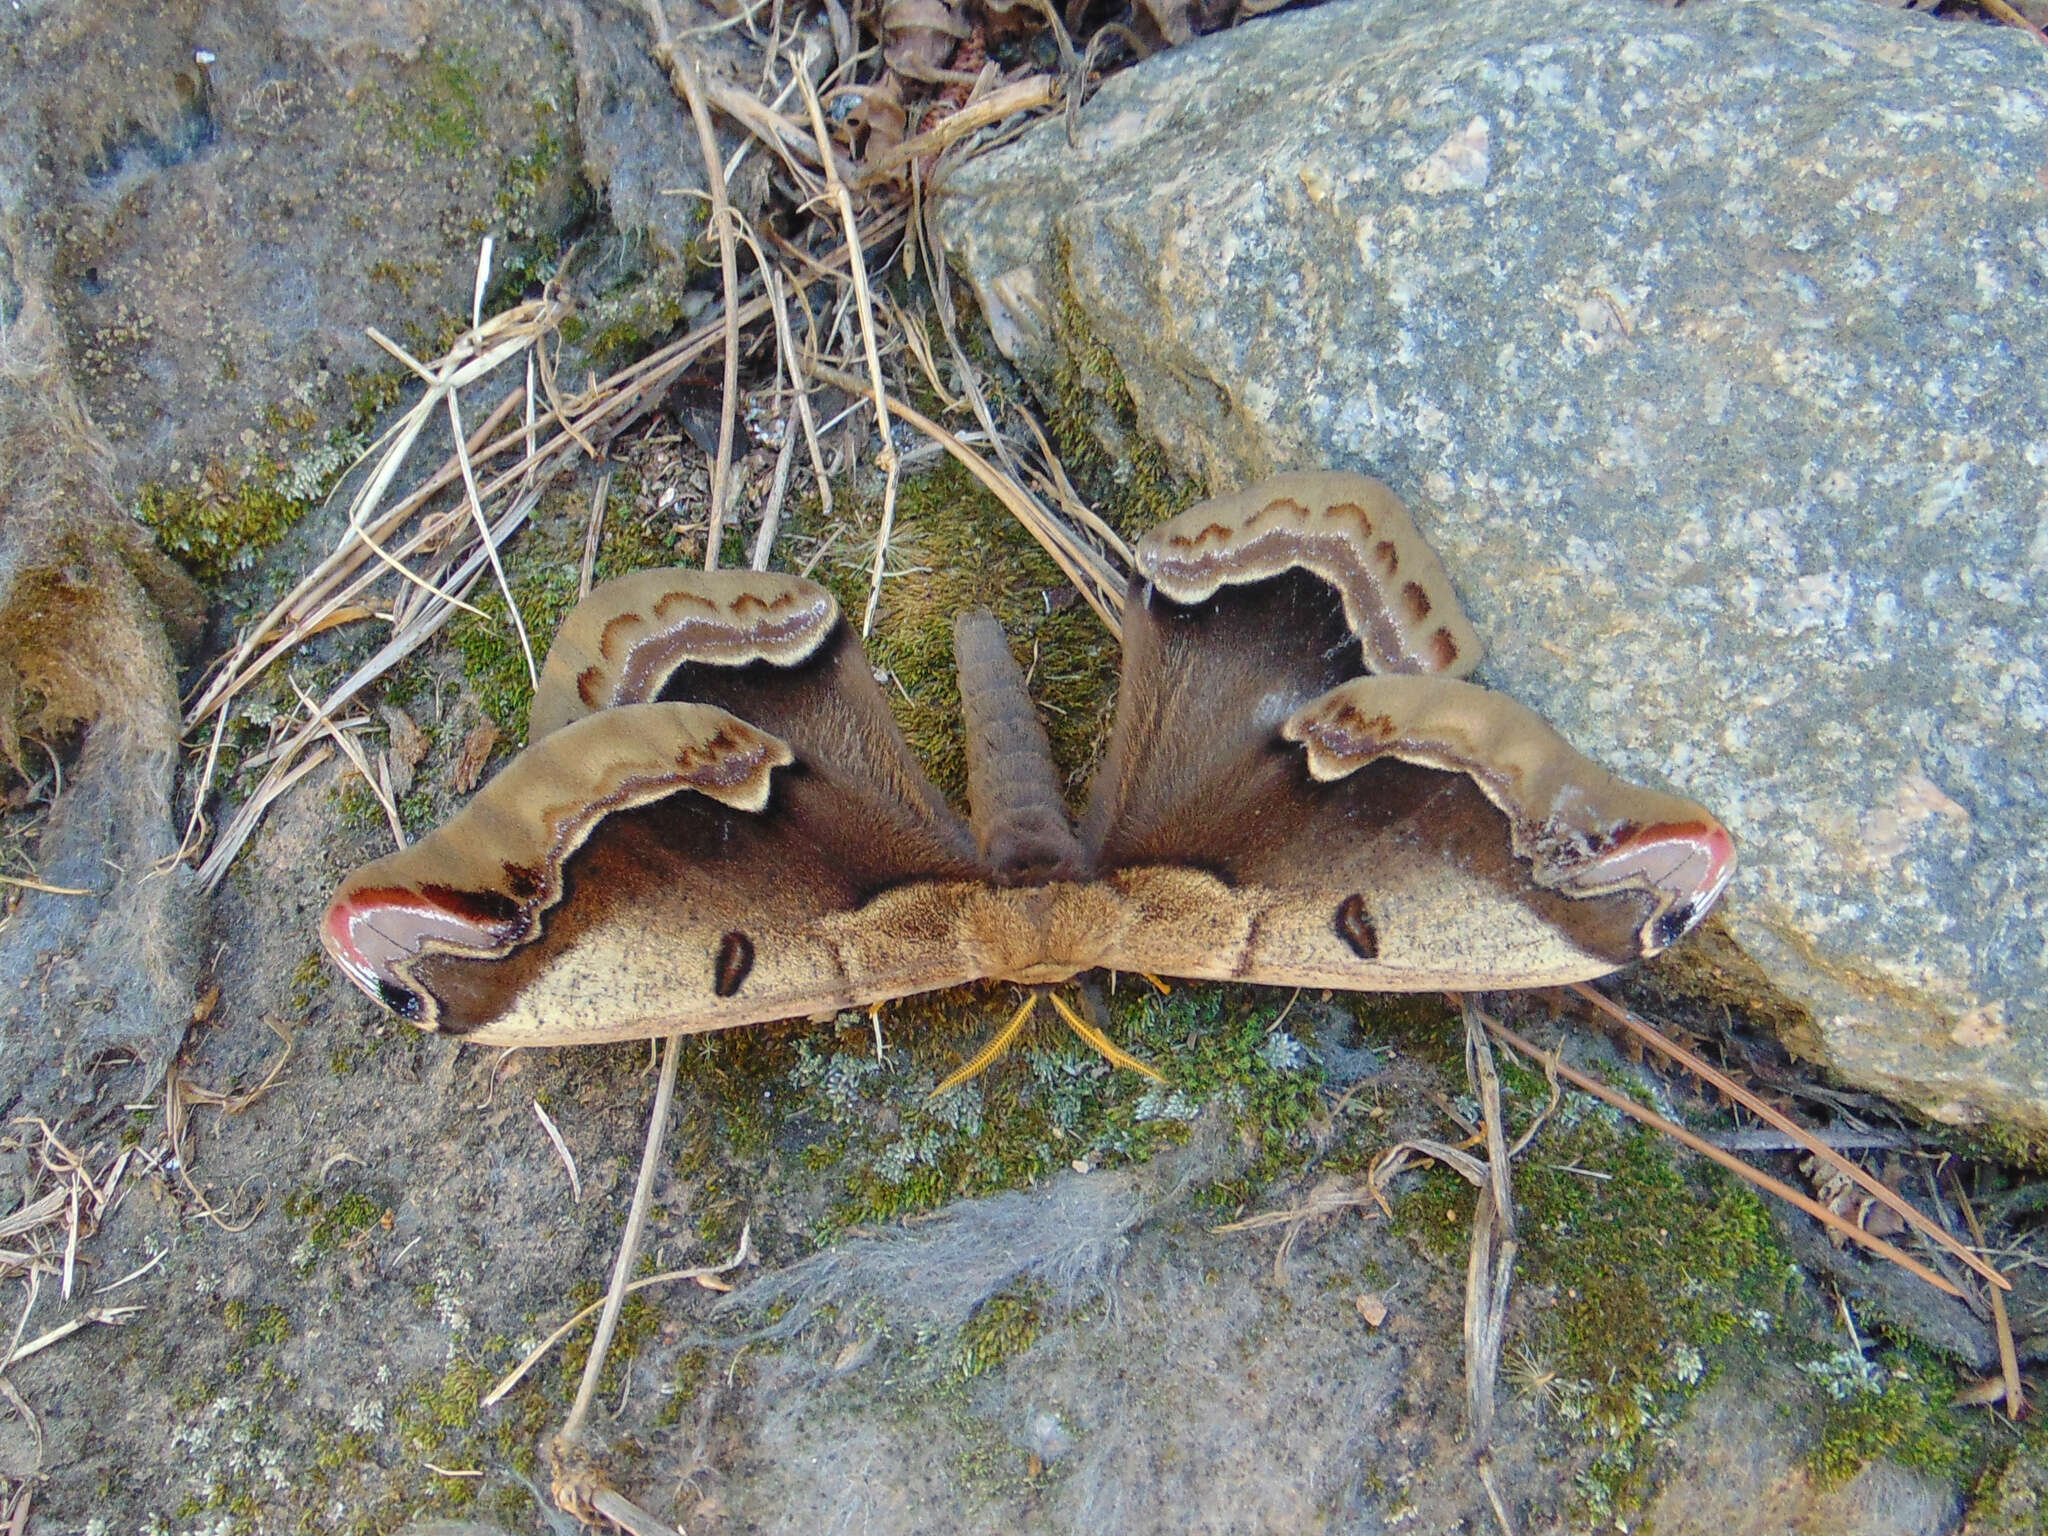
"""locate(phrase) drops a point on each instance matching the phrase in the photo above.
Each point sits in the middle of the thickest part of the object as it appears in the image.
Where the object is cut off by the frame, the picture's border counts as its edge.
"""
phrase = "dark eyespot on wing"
(1671, 926)
(1355, 927)
(400, 1000)
(1417, 601)
(735, 960)
(1444, 649)
(1388, 556)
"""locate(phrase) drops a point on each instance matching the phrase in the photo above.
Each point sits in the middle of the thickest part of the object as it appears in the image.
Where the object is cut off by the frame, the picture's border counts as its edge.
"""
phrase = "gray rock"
(1741, 1468)
(1708, 346)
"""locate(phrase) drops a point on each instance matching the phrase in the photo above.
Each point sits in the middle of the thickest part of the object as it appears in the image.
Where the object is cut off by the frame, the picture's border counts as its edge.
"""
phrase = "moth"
(717, 821)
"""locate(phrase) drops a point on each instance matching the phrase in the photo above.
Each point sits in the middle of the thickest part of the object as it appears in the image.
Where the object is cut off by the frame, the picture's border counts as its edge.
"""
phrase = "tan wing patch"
(1348, 529)
(1583, 831)
(621, 643)
(477, 885)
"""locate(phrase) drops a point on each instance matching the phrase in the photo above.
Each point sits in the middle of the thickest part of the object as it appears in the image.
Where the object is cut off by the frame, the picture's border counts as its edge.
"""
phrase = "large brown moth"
(717, 821)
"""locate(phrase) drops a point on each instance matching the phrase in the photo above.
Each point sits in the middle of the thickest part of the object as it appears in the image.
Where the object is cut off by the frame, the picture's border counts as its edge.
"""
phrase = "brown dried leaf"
(918, 36)
(1371, 1307)
(408, 742)
(476, 751)
(1981, 1393)
(1006, 21)
(879, 114)
(1174, 22)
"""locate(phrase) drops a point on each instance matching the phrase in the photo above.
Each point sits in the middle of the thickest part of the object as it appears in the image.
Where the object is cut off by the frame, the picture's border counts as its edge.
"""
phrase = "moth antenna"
(1111, 1052)
(994, 1051)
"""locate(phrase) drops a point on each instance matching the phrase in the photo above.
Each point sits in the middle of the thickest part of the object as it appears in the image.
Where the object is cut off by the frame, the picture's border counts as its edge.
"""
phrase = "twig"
(1886, 1196)
(48, 890)
(1728, 1160)
(1490, 1264)
(2008, 1352)
(1026, 95)
(629, 1246)
(771, 509)
(539, 1352)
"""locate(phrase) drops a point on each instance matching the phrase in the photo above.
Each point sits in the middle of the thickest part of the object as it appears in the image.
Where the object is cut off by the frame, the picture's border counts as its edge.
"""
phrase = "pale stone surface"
(1707, 345)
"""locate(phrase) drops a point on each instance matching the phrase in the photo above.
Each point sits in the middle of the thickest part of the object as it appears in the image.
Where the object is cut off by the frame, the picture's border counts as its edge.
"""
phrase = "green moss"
(309, 979)
(1421, 1026)
(961, 549)
(493, 663)
(441, 112)
(639, 1321)
(331, 1223)
(624, 324)
(1645, 1277)
(1095, 427)
(370, 395)
(903, 1152)
(2011, 1493)
(1896, 1402)
(1002, 1327)
(218, 525)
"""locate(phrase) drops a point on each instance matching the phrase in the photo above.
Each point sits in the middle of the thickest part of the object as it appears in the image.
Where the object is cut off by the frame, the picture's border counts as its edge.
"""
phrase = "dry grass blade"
(52, 1224)
(410, 527)
(2008, 1350)
(1490, 1263)
(864, 301)
(1500, 1509)
(1028, 95)
(1089, 571)
(379, 788)
(19, 883)
(34, 1214)
(600, 498)
(628, 1516)
(1329, 1197)
(1903, 1208)
(176, 1112)
(1337, 1193)
(539, 1352)
(688, 81)
(547, 1123)
(313, 603)
(1728, 1160)
(1490, 1260)
(483, 528)
(235, 1103)
(103, 1316)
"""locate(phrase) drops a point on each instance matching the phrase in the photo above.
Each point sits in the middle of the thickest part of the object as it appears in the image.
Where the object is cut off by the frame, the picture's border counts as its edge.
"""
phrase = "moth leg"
(993, 1052)
(1113, 1053)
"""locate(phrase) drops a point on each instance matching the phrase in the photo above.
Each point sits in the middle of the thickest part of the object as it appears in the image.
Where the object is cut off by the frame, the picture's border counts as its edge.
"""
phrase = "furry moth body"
(717, 821)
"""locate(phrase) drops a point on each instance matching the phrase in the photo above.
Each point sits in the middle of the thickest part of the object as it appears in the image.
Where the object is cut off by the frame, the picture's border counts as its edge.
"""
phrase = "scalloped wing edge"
(477, 885)
(1583, 832)
(1350, 530)
(621, 643)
